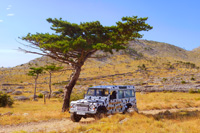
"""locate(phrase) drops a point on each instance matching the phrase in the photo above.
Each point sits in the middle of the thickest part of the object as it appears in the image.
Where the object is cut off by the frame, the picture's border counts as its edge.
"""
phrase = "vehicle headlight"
(73, 106)
(92, 107)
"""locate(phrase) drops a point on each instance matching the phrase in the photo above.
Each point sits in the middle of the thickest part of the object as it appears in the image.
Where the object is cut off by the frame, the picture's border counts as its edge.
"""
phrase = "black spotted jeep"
(104, 100)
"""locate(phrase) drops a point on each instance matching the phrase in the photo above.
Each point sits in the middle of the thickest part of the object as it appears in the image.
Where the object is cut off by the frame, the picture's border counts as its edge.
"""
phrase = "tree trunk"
(34, 96)
(69, 87)
(50, 91)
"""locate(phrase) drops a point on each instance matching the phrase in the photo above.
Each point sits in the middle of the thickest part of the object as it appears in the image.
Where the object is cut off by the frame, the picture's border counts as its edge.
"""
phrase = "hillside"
(142, 63)
(135, 50)
(157, 49)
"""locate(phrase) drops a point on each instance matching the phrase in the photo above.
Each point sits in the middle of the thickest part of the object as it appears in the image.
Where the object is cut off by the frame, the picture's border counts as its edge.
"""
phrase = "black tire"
(100, 114)
(136, 110)
(126, 110)
(74, 117)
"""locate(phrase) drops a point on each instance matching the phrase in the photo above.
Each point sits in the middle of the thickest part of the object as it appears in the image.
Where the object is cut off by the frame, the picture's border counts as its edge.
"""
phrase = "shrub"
(193, 78)
(90, 85)
(40, 95)
(164, 79)
(183, 82)
(192, 91)
(142, 68)
(5, 100)
(61, 90)
(198, 91)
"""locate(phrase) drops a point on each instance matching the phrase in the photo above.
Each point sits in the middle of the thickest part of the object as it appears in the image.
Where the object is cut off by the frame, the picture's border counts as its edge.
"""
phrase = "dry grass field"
(34, 111)
(183, 122)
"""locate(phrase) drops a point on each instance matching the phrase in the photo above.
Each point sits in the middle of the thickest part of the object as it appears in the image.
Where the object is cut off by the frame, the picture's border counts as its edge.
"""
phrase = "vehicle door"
(121, 101)
(112, 102)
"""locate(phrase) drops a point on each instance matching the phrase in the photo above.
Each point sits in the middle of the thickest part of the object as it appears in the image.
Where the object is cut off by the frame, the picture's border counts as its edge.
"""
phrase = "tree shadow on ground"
(179, 115)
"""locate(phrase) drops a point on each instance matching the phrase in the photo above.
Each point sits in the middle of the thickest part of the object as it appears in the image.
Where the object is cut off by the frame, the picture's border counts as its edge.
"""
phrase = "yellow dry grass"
(32, 111)
(167, 100)
(183, 122)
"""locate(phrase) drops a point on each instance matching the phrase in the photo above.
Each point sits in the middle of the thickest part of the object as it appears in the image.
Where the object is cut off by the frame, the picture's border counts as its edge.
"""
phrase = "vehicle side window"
(102, 92)
(91, 92)
(113, 95)
(129, 93)
(120, 94)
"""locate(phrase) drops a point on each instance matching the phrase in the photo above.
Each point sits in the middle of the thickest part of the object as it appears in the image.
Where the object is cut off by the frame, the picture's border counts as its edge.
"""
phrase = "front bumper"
(82, 112)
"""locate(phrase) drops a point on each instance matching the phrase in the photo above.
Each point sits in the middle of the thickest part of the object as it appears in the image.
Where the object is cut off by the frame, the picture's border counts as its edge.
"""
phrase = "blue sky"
(175, 21)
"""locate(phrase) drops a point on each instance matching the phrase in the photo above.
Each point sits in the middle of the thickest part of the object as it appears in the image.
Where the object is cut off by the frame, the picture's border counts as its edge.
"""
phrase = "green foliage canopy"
(35, 71)
(52, 68)
(74, 43)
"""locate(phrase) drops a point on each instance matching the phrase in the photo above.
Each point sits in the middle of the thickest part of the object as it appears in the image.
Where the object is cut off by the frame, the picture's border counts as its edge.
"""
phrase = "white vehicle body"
(104, 99)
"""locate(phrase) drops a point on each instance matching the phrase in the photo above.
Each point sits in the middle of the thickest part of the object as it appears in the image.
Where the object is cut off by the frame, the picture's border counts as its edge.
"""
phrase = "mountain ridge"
(137, 49)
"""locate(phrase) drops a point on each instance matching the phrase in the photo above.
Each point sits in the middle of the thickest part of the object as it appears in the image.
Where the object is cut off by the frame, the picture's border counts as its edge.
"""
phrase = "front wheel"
(100, 114)
(74, 117)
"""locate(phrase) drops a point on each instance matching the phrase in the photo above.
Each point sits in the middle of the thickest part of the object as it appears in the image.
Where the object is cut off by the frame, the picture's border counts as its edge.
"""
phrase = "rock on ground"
(21, 98)
(17, 93)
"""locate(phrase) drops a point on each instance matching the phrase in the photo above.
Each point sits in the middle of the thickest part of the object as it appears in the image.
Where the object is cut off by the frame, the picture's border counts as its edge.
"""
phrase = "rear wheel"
(136, 109)
(74, 117)
(127, 108)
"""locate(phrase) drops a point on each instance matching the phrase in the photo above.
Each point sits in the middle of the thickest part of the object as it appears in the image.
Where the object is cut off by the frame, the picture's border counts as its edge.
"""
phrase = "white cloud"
(11, 14)
(1, 21)
(9, 7)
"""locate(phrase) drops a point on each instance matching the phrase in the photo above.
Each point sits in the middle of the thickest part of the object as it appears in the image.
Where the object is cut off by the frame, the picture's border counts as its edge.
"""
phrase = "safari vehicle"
(103, 100)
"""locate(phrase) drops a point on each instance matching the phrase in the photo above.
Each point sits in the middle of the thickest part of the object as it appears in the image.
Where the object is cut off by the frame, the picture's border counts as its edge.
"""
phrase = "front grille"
(82, 107)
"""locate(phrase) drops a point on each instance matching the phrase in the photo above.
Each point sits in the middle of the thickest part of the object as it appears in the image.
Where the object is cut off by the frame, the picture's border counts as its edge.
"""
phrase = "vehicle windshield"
(97, 92)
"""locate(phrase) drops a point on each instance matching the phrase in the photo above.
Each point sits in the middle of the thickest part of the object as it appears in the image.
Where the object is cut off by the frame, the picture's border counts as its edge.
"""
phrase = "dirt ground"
(63, 125)
(66, 125)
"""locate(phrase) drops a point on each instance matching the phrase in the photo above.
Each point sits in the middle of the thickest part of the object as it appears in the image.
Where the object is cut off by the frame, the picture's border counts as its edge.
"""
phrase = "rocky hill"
(143, 63)
(138, 49)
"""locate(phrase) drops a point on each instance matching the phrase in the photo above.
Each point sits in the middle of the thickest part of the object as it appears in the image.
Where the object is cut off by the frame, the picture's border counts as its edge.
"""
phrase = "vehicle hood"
(91, 100)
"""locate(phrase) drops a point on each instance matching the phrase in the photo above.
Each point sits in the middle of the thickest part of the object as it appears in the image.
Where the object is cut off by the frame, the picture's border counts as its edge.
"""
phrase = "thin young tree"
(51, 69)
(73, 43)
(35, 72)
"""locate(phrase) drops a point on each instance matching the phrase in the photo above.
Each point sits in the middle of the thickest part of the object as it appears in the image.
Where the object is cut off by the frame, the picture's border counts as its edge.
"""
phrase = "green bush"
(40, 95)
(61, 90)
(192, 91)
(164, 79)
(5, 100)
(193, 78)
(183, 82)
